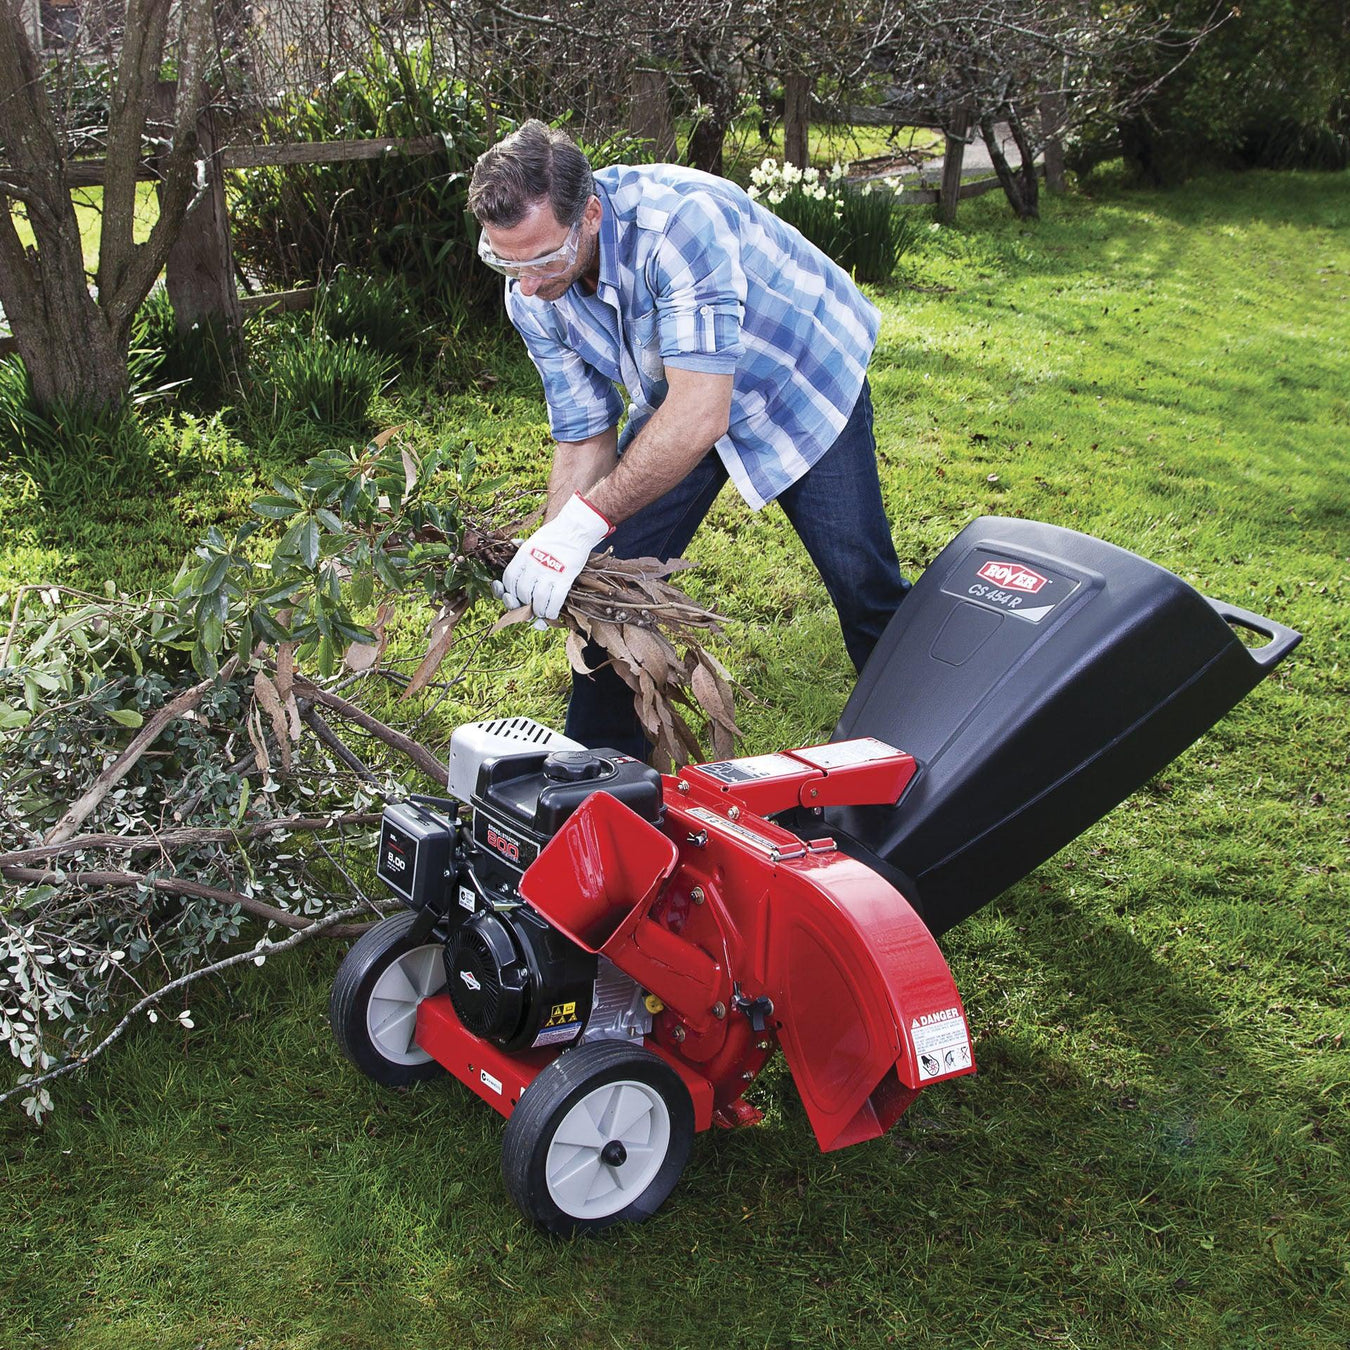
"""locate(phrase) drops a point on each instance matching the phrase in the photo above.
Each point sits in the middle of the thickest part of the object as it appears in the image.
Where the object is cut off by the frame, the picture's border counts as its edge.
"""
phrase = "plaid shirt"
(695, 275)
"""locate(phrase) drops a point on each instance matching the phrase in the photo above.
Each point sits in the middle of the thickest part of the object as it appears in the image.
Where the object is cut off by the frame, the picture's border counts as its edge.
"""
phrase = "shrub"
(379, 311)
(197, 364)
(861, 228)
(398, 215)
(300, 370)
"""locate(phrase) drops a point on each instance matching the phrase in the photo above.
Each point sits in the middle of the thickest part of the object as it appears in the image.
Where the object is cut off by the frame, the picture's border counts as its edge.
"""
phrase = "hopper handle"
(1282, 640)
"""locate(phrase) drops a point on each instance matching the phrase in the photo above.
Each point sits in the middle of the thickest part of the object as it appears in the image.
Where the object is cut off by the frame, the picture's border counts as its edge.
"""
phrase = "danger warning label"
(941, 1043)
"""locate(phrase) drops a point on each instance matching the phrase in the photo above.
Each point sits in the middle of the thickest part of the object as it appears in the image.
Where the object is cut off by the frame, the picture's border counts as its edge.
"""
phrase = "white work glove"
(547, 563)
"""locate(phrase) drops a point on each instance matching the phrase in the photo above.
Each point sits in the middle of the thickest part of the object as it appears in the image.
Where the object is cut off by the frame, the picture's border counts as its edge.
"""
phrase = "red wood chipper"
(609, 956)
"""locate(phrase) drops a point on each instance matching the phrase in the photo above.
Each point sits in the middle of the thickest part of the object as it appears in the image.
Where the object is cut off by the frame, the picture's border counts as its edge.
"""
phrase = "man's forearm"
(677, 436)
(578, 466)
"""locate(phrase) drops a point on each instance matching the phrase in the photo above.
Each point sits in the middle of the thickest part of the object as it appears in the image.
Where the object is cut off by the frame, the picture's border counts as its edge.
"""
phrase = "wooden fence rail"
(200, 275)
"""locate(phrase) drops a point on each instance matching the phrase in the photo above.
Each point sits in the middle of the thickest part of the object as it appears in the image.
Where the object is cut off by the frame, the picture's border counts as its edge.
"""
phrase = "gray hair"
(532, 163)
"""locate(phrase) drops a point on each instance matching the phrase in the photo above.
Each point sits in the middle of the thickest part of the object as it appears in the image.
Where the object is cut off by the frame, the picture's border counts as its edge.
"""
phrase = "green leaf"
(11, 718)
(386, 571)
(215, 574)
(309, 543)
(126, 717)
(468, 461)
(275, 508)
(362, 586)
(329, 521)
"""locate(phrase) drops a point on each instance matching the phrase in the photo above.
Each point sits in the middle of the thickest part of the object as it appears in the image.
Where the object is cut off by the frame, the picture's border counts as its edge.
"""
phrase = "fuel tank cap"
(574, 766)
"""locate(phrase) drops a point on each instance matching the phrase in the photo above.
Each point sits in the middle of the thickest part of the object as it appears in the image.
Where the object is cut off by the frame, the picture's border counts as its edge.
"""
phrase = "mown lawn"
(1154, 1150)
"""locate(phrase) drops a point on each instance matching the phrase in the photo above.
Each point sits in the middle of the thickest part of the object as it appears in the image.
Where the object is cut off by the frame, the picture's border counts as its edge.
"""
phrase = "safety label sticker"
(941, 1042)
(751, 769)
(839, 754)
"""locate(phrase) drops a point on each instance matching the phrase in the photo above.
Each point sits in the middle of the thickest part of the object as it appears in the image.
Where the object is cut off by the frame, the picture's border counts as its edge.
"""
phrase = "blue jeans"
(836, 509)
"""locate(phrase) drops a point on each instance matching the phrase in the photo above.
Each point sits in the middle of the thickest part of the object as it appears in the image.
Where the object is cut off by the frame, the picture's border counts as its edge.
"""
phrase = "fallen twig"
(82, 809)
(328, 922)
(88, 881)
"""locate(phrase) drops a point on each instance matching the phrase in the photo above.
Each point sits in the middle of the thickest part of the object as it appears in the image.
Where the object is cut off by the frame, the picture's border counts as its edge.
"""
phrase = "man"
(743, 351)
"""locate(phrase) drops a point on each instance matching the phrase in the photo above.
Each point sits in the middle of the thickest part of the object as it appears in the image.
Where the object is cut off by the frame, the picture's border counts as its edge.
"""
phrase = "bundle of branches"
(175, 766)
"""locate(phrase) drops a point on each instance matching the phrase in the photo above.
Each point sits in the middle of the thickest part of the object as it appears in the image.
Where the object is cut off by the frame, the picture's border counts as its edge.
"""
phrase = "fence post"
(796, 119)
(199, 274)
(951, 166)
(649, 112)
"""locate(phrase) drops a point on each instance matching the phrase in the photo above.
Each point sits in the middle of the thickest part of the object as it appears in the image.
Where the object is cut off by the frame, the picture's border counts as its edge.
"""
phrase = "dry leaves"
(650, 632)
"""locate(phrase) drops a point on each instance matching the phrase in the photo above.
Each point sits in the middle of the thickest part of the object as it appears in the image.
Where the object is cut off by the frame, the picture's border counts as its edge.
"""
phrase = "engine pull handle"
(1282, 640)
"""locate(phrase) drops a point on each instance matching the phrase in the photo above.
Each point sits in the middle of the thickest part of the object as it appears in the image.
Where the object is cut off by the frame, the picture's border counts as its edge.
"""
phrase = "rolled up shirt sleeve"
(581, 402)
(700, 289)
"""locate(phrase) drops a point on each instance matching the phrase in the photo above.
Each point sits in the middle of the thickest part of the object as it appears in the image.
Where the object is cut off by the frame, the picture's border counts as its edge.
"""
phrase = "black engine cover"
(517, 982)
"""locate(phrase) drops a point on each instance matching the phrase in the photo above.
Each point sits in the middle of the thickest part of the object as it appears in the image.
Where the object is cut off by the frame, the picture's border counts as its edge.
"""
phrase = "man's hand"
(547, 563)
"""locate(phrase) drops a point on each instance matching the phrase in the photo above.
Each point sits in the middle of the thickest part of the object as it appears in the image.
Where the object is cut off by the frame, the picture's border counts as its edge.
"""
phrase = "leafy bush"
(399, 215)
(299, 370)
(197, 365)
(379, 312)
(861, 228)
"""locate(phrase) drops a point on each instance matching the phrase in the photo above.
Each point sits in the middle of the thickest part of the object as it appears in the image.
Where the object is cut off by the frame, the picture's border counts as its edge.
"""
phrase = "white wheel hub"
(607, 1149)
(391, 1010)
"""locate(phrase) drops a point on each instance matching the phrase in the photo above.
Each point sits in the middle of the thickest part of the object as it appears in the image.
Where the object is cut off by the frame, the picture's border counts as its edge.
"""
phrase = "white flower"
(776, 196)
(185, 1017)
(837, 171)
(791, 174)
(811, 174)
(752, 192)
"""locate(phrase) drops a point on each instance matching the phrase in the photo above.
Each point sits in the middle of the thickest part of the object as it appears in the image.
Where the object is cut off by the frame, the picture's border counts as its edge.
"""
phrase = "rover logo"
(1013, 577)
(546, 560)
(503, 844)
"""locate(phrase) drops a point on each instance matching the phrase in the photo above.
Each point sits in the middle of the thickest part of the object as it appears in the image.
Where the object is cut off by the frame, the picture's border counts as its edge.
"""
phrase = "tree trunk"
(649, 112)
(1011, 184)
(950, 194)
(199, 271)
(1053, 116)
(716, 103)
(1029, 186)
(796, 119)
(74, 346)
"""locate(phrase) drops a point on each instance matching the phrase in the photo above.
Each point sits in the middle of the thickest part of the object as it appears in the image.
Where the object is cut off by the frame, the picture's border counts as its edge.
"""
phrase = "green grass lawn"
(1154, 1152)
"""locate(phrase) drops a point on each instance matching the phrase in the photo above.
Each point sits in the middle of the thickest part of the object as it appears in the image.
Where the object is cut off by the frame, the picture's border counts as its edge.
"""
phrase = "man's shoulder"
(647, 195)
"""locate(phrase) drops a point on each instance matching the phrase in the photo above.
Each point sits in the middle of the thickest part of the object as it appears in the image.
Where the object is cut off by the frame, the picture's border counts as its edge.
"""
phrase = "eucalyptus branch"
(88, 881)
(325, 924)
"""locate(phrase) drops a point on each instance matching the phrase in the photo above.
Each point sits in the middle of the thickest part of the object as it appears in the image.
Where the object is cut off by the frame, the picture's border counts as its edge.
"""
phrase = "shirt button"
(705, 309)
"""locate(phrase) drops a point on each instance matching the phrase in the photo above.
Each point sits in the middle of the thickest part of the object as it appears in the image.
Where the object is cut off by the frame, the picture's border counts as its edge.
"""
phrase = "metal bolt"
(719, 1010)
(761, 1045)
(682, 786)
(679, 1033)
(696, 895)
(734, 813)
(815, 792)
(748, 1077)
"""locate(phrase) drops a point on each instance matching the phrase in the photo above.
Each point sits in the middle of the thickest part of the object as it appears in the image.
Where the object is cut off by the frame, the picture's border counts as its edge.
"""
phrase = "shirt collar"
(609, 241)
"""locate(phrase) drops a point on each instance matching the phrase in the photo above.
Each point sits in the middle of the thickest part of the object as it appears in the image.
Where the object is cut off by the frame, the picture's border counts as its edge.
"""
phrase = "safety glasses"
(546, 265)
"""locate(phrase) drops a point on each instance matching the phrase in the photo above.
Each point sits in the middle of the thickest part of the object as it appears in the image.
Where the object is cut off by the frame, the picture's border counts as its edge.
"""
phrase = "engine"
(514, 979)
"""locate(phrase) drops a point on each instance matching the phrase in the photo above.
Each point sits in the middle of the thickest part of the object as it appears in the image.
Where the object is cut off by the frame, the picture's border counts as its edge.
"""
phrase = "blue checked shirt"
(695, 275)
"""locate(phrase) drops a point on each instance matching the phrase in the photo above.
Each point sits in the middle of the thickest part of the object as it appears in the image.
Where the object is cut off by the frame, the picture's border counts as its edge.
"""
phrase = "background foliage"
(1153, 1152)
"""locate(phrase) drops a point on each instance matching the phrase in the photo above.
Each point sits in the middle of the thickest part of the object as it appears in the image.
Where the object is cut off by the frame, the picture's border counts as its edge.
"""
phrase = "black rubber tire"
(574, 1075)
(372, 954)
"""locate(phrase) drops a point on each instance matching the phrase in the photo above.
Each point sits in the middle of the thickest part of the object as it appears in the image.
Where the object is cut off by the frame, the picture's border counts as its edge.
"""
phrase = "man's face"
(538, 234)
